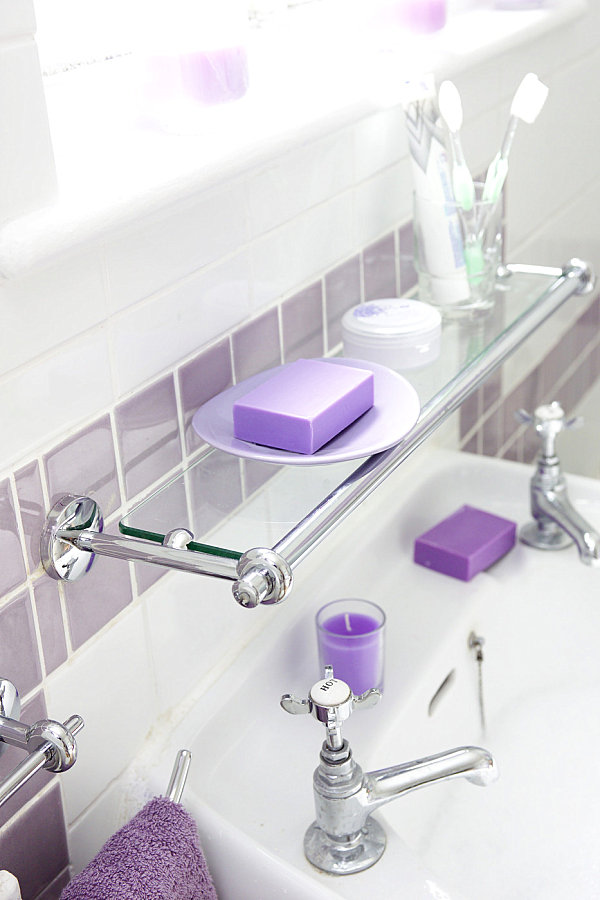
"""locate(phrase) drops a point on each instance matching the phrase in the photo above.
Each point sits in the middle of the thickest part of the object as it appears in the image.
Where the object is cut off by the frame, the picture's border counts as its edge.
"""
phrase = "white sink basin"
(534, 833)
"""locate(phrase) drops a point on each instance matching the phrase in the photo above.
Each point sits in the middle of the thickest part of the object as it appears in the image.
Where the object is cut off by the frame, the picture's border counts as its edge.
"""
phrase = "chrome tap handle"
(331, 702)
(548, 420)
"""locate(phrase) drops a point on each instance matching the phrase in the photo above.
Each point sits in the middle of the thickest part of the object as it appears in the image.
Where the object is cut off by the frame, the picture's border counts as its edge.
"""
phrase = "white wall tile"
(110, 684)
(144, 259)
(48, 306)
(558, 159)
(383, 202)
(16, 17)
(296, 253)
(194, 625)
(161, 331)
(379, 141)
(42, 402)
(295, 181)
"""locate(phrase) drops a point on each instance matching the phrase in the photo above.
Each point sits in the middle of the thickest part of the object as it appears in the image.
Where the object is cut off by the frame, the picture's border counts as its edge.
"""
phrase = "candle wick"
(347, 620)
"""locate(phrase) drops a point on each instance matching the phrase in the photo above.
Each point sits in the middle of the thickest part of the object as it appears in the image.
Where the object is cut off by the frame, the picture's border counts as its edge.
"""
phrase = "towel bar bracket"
(50, 745)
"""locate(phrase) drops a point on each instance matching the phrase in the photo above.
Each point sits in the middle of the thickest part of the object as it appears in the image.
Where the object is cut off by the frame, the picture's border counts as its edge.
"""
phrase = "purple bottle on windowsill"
(193, 58)
(423, 16)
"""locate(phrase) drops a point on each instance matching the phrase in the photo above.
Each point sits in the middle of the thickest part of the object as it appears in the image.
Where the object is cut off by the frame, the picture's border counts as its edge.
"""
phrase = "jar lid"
(392, 317)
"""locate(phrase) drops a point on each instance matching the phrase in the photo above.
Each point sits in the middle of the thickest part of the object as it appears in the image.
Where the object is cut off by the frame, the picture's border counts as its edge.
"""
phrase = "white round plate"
(395, 410)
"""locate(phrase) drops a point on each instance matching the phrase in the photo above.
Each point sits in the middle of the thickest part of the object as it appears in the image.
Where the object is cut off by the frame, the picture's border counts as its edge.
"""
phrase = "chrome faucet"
(556, 523)
(344, 838)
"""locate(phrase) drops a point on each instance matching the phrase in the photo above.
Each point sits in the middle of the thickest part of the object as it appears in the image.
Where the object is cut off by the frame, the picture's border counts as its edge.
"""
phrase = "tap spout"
(556, 507)
(556, 523)
(473, 763)
(344, 838)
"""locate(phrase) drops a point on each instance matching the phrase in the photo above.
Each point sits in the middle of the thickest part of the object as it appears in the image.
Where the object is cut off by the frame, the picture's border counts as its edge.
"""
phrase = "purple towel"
(156, 856)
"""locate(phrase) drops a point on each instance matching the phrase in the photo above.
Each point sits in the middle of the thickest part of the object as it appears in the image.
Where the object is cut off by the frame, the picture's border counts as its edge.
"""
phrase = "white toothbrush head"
(450, 106)
(529, 99)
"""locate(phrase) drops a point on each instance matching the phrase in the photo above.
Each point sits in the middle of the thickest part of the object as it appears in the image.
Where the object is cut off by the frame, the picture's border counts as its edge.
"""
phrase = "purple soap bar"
(465, 543)
(303, 405)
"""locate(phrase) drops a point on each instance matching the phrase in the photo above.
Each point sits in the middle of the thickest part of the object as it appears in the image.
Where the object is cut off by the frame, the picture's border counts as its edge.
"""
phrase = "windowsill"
(112, 170)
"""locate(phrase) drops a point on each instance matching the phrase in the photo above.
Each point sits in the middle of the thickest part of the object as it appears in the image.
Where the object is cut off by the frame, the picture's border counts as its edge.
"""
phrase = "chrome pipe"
(575, 278)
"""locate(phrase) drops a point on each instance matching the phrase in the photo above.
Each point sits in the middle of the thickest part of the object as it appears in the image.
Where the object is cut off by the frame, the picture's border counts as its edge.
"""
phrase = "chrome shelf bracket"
(73, 535)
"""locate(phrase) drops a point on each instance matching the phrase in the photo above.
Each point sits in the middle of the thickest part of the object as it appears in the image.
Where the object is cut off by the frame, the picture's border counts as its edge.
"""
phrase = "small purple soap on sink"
(465, 543)
(303, 405)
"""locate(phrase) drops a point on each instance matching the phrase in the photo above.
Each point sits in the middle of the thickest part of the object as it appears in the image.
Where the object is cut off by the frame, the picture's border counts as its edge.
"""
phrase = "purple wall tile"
(493, 433)
(147, 575)
(406, 246)
(256, 346)
(200, 380)
(12, 564)
(215, 491)
(168, 511)
(33, 846)
(148, 435)
(50, 620)
(85, 463)
(560, 358)
(491, 390)
(379, 265)
(530, 445)
(573, 389)
(97, 598)
(256, 474)
(54, 890)
(32, 711)
(18, 645)
(527, 395)
(32, 509)
(302, 324)
(513, 451)
(472, 445)
(470, 412)
(342, 291)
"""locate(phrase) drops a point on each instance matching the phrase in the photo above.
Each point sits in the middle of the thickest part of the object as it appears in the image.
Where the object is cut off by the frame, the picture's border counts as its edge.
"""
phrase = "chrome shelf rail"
(576, 278)
(73, 531)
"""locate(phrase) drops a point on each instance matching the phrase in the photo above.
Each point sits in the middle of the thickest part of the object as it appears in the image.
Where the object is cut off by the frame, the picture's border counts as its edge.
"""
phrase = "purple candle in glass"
(350, 636)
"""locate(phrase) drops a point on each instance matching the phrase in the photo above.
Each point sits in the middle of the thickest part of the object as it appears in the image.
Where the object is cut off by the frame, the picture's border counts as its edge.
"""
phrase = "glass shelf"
(231, 504)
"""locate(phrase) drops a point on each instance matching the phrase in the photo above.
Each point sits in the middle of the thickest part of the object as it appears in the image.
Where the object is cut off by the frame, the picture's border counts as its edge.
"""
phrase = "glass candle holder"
(350, 637)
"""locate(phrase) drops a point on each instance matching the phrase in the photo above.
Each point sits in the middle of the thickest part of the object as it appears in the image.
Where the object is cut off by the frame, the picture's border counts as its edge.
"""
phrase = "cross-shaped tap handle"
(548, 420)
(331, 702)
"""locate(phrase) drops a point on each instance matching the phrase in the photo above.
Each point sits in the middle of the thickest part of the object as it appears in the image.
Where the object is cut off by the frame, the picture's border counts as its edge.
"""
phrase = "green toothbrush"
(451, 111)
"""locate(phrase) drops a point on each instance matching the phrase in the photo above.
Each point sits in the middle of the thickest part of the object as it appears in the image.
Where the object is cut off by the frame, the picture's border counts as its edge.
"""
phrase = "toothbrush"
(527, 104)
(451, 111)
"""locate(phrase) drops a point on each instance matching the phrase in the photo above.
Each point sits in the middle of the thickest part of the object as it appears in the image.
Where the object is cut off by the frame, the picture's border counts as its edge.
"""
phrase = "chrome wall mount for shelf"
(50, 745)
(73, 532)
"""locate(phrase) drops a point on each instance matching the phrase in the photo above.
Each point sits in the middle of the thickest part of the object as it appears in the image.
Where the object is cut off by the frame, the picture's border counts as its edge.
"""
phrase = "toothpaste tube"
(438, 229)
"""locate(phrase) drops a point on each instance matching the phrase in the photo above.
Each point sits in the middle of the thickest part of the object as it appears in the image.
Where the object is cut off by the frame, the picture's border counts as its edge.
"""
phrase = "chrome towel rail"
(50, 745)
